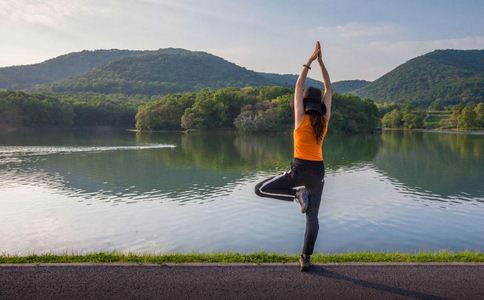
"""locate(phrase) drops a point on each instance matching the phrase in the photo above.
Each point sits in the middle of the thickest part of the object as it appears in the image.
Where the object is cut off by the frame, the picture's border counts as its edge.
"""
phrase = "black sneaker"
(302, 197)
(304, 263)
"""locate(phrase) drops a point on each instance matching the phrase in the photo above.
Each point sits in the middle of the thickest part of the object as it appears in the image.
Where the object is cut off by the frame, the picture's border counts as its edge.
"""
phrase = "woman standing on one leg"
(311, 116)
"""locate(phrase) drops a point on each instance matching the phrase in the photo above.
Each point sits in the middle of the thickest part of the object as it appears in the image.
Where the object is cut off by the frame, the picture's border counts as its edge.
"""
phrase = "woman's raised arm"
(298, 90)
(328, 90)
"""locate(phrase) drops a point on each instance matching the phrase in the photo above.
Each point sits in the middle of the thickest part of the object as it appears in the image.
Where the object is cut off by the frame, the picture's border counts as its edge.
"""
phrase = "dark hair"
(318, 125)
(315, 108)
(313, 93)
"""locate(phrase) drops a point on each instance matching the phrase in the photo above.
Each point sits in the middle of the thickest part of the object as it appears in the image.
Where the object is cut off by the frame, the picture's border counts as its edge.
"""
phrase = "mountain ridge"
(39, 81)
(449, 75)
(60, 67)
(452, 76)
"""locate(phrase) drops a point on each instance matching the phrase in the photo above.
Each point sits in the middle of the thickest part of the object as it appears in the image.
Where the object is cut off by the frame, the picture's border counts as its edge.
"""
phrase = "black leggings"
(309, 174)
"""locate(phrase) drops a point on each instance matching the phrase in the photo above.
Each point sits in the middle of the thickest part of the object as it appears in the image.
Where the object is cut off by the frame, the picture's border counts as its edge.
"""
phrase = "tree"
(364, 114)
(467, 119)
(392, 119)
(32, 110)
(259, 117)
(479, 110)
(437, 105)
(452, 120)
(412, 119)
(165, 113)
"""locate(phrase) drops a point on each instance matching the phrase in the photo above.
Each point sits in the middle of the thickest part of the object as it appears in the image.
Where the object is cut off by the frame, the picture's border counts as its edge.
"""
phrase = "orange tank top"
(305, 146)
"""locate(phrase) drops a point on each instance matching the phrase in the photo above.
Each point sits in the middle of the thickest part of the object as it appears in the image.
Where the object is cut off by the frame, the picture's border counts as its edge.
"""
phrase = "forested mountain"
(451, 76)
(144, 72)
(58, 68)
(342, 87)
(289, 80)
(348, 86)
(161, 72)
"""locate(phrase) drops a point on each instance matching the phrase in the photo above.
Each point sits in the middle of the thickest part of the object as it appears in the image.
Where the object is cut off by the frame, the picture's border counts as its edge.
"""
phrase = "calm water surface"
(93, 190)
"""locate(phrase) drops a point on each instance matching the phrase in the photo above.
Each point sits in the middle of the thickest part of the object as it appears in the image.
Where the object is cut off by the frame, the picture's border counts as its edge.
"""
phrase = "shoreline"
(452, 131)
(245, 258)
(225, 130)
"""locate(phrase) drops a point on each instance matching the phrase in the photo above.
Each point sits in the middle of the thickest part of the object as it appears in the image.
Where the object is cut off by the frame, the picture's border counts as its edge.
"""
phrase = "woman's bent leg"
(278, 187)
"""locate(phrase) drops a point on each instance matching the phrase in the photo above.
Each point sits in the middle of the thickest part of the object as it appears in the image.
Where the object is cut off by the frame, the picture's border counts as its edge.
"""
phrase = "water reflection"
(388, 192)
(442, 165)
(181, 167)
(178, 166)
(258, 152)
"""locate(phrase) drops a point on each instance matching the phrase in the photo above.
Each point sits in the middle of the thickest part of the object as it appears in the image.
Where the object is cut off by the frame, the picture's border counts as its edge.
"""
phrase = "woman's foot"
(304, 262)
(302, 197)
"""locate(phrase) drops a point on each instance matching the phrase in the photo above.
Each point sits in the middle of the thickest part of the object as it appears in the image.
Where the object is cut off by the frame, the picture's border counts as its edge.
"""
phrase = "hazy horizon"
(360, 39)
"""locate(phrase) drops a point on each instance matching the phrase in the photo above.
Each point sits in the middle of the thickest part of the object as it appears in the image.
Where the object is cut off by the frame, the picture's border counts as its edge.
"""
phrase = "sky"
(361, 39)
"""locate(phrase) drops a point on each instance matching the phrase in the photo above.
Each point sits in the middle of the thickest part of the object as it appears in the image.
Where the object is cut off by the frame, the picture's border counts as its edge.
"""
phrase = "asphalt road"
(421, 281)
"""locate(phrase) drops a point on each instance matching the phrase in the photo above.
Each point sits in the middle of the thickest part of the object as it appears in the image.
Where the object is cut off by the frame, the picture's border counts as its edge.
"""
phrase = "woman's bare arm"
(298, 90)
(328, 91)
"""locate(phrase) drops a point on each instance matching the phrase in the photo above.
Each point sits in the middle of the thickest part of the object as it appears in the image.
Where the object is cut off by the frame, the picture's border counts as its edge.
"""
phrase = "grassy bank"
(233, 257)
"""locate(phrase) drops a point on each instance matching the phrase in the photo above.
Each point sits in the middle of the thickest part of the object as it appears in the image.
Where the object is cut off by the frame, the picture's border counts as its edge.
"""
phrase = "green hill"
(160, 72)
(452, 76)
(144, 72)
(58, 68)
(289, 80)
(348, 86)
(341, 87)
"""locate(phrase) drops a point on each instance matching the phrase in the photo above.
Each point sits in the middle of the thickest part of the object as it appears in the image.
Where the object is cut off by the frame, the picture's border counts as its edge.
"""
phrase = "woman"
(305, 180)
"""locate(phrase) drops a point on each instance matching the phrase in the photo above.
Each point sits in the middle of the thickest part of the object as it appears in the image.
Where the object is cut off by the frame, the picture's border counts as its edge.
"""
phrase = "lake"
(91, 190)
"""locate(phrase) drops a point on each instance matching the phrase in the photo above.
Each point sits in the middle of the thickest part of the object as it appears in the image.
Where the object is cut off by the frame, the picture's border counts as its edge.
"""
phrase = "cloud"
(225, 11)
(231, 51)
(375, 58)
(368, 51)
(414, 48)
(48, 12)
(356, 30)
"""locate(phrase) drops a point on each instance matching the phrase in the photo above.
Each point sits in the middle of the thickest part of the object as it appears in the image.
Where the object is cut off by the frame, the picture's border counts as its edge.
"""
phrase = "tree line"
(462, 116)
(19, 109)
(465, 117)
(248, 109)
(267, 108)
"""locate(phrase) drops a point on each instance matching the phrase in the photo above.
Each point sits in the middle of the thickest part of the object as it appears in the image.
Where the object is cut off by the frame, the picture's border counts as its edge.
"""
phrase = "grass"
(234, 257)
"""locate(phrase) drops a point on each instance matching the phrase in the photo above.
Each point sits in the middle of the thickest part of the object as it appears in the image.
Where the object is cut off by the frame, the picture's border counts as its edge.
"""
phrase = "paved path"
(421, 281)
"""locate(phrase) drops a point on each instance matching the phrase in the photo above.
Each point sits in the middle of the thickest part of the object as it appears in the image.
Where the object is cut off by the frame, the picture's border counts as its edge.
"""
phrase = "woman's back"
(305, 144)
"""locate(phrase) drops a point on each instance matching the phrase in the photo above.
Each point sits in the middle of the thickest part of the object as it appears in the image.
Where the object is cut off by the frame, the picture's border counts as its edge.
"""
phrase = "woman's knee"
(262, 187)
(257, 189)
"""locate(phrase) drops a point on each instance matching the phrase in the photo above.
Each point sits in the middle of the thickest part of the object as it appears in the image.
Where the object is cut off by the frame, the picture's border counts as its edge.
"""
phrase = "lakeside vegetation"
(236, 257)
(20, 109)
(462, 117)
(248, 109)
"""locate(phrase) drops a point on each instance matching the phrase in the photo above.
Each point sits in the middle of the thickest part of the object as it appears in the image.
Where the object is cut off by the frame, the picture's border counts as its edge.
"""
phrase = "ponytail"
(318, 126)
